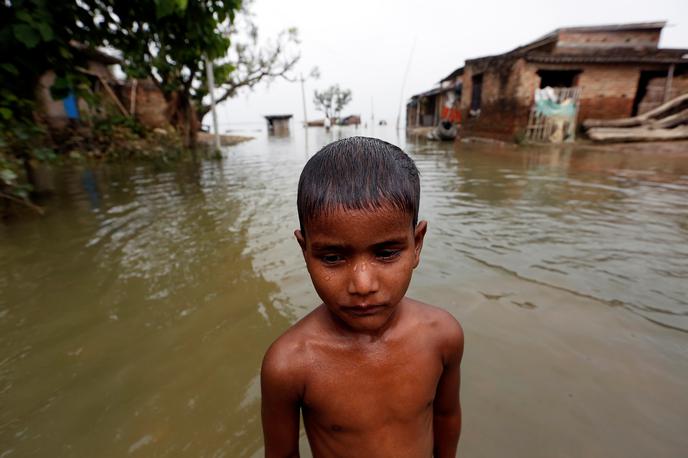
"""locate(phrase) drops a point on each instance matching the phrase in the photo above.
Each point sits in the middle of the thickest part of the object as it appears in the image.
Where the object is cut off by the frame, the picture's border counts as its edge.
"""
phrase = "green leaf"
(24, 16)
(46, 31)
(181, 4)
(164, 7)
(6, 113)
(9, 68)
(26, 35)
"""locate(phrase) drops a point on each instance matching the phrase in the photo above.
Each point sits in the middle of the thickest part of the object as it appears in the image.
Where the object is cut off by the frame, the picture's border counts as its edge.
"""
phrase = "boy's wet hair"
(358, 173)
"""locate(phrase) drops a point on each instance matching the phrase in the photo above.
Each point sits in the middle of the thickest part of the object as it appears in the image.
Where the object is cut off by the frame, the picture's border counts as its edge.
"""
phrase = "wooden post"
(667, 86)
(211, 90)
(372, 112)
(107, 88)
(303, 99)
(418, 112)
(112, 95)
(132, 97)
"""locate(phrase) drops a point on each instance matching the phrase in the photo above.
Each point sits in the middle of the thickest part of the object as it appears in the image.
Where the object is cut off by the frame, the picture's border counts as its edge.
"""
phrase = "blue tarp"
(71, 107)
(547, 107)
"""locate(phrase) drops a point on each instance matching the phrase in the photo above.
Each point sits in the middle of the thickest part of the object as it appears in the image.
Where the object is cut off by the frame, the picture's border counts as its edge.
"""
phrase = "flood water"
(135, 313)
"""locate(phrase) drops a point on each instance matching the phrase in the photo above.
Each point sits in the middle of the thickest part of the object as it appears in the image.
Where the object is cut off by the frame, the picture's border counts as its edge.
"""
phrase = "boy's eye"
(387, 254)
(331, 258)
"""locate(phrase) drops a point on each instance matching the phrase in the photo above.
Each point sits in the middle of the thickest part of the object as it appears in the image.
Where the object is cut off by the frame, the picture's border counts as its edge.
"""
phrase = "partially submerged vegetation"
(165, 42)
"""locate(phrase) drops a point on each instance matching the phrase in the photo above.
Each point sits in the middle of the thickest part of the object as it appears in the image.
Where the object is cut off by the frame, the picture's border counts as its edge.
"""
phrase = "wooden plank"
(108, 89)
(640, 119)
(612, 134)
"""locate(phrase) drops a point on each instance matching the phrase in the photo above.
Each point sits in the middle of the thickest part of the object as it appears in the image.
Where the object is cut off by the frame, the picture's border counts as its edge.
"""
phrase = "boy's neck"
(364, 336)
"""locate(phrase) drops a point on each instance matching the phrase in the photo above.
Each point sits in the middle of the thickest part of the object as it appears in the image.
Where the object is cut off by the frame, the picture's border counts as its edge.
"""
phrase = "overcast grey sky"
(365, 45)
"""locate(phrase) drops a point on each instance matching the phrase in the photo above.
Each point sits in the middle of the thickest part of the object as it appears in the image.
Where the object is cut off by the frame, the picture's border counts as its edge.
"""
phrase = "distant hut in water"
(278, 124)
(351, 120)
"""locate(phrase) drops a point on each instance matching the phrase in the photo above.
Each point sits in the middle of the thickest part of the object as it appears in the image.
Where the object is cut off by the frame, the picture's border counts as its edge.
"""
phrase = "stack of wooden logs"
(666, 122)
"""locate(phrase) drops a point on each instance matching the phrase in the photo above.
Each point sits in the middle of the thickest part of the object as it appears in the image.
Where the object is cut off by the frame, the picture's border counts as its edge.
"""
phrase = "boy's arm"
(447, 407)
(280, 403)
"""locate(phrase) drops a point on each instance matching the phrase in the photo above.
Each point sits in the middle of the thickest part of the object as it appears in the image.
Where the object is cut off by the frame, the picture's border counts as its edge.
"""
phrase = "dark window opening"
(429, 106)
(476, 93)
(558, 78)
(642, 91)
(458, 88)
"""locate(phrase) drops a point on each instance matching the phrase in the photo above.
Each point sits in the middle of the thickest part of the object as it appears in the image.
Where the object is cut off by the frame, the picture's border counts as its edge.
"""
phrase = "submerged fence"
(553, 115)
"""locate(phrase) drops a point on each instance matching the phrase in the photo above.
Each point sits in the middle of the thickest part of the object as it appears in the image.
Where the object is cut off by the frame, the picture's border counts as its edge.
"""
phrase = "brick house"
(145, 101)
(442, 102)
(619, 69)
(57, 113)
(422, 110)
(141, 99)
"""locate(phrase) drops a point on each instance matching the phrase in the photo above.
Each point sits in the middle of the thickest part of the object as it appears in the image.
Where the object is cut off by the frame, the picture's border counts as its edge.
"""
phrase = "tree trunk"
(201, 112)
(182, 116)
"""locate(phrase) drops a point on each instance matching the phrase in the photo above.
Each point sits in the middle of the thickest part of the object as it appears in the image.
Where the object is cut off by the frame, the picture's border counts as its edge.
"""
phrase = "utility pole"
(403, 83)
(303, 99)
(372, 112)
(211, 89)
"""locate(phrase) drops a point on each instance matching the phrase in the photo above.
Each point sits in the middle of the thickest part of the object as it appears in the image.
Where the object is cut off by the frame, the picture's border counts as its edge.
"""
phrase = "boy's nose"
(362, 280)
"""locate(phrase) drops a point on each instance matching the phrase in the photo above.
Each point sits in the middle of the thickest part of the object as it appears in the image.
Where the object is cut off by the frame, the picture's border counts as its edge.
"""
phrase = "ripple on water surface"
(140, 282)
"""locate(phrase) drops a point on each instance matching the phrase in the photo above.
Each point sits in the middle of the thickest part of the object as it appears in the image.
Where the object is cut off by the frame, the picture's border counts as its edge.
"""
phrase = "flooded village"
(546, 90)
(144, 270)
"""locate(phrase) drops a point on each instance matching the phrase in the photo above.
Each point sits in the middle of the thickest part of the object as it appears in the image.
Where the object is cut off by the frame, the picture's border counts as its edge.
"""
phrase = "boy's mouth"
(363, 309)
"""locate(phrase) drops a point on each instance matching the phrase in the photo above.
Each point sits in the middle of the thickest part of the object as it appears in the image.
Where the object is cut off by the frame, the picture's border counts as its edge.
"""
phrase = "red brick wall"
(679, 85)
(504, 104)
(150, 104)
(607, 91)
(655, 95)
(572, 42)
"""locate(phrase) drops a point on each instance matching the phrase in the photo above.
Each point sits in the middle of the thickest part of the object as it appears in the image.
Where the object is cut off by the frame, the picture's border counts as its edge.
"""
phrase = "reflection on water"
(134, 315)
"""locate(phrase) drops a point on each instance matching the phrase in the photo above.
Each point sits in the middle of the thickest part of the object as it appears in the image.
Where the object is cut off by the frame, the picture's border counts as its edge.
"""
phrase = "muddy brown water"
(135, 313)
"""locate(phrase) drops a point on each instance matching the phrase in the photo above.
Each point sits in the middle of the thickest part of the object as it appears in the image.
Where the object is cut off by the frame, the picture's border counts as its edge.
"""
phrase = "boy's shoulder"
(287, 354)
(290, 354)
(436, 322)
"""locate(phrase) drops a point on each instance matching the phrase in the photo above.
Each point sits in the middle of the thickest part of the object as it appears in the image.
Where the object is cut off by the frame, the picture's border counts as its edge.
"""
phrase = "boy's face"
(361, 261)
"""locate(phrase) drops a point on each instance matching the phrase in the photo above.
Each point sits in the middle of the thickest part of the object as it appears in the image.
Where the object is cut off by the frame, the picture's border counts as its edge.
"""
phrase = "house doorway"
(476, 94)
(558, 78)
(647, 95)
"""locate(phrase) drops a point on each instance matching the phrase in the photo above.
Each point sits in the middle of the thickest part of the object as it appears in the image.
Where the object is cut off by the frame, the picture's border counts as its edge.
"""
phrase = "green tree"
(166, 41)
(249, 61)
(332, 100)
(36, 36)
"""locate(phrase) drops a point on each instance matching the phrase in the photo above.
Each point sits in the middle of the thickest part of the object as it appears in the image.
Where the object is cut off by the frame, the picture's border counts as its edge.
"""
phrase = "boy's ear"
(418, 236)
(301, 239)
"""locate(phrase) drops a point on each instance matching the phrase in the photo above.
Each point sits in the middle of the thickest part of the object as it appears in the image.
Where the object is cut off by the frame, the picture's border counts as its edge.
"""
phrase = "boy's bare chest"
(359, 390)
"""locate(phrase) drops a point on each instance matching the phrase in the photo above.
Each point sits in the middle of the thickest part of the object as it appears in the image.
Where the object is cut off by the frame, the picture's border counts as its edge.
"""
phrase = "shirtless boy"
(375, 373)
